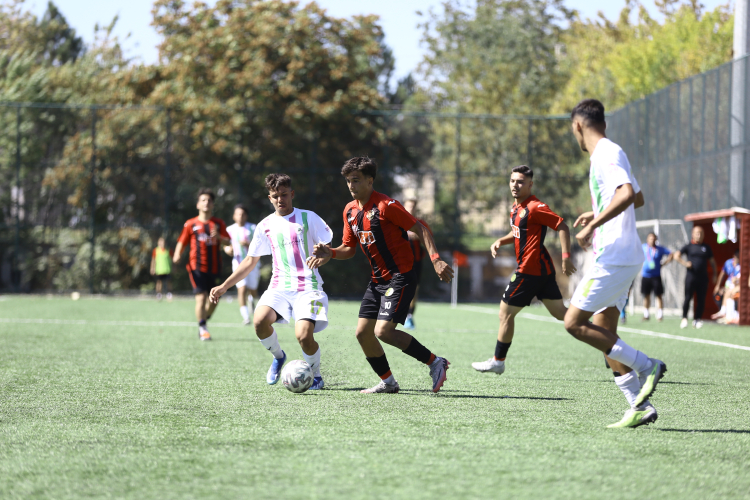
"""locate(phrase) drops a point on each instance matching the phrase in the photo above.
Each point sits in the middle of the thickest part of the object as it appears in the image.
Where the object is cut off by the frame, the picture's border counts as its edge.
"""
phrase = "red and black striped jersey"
(205, 254)
(416, 246)
(380, 228)
(529, 221)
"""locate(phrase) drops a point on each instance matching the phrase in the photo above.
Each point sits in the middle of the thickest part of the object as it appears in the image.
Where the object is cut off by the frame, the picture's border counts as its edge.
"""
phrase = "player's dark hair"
(592, 112)
(649, 234)
(242, 207)
(276, 181)
(363, 164)
(208, 191)
(525, 170)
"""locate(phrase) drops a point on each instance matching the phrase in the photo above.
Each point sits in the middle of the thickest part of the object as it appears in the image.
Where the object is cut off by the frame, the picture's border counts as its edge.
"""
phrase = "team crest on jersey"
(523, 213)
(389, 292)
(513, 278)
(370, 214)
(366, 237)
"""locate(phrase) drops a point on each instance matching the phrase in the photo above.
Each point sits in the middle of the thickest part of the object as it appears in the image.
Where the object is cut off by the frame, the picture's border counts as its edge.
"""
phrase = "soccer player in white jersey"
(289, 235)
(241, 233)
(610, 231)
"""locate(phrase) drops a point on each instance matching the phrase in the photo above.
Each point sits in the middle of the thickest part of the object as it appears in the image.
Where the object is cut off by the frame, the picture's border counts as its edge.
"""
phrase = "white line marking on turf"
(178, 324)
(619, 328)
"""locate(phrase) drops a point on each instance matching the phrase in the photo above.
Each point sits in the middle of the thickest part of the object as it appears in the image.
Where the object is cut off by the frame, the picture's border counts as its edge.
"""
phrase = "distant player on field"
(205, 235)
(651, 275)
(379, 224)
(241, 233)
(161, 268)
(535, 275)
(419, 252)
(618, 257)
(289, 235)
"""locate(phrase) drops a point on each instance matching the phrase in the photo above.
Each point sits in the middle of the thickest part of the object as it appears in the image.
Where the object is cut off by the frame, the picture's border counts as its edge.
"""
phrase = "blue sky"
(398, 18)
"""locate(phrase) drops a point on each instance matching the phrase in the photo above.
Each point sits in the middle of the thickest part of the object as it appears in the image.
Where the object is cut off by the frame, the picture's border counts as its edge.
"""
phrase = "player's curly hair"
(276, 181)
(592, 112)
(208, 191)
(363, 164)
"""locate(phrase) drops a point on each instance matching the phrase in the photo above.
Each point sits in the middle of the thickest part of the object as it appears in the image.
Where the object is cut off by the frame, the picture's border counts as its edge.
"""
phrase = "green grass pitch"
(118, 399)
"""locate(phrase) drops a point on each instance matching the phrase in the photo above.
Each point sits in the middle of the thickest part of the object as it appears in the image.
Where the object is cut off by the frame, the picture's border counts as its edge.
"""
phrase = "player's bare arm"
(229, 250)
(712, 262)
(322, 253)
(177, 253)
(563, 232)
(639, 200)
(584, 219)
(443, 270)
(623, 198)
(503, 240)
(245, 267)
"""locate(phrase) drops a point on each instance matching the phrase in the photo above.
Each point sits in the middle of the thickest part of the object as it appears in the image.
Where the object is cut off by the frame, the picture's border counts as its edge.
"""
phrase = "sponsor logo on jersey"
(366, 237)
(391, 202)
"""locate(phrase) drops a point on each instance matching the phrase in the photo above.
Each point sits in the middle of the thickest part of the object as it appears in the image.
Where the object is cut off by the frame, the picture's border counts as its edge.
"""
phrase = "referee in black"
(698, 256)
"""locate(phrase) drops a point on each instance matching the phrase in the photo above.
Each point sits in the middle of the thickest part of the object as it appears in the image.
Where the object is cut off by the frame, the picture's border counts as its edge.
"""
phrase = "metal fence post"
(16, 268)
(457, 224)
(92, 199)
(167, 172)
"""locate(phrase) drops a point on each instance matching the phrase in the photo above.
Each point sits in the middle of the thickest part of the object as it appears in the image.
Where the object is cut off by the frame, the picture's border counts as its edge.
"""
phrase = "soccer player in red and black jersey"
(535, 274)
(419, 253)
(380, 224)
(206, 235)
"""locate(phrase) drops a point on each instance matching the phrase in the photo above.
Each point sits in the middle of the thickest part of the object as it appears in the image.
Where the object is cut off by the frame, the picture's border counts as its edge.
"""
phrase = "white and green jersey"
(615, 243)
(290, 240)
(241, 237)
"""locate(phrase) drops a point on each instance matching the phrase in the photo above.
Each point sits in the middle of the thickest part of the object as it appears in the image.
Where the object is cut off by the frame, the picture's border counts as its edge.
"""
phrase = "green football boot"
(648, 385)
(636, 417)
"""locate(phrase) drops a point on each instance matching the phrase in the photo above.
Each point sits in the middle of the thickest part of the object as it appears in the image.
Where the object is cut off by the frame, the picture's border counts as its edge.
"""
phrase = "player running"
(618, 257)
(241, 233)
(379, 224)
(205, 233)
(535, 274)
(289, 236)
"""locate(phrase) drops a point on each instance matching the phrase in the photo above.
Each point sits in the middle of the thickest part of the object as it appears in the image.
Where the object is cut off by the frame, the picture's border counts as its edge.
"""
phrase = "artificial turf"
(118, 399)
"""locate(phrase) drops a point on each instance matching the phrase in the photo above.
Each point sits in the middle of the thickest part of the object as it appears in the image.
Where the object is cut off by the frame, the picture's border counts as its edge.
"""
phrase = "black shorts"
(524, 287)
(389, 301)
(161, 277)
(202, 282)
(652, 285)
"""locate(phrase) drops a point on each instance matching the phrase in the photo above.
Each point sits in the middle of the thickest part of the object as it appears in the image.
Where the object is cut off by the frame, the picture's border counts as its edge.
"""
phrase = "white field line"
(649, 333)
(182, 324)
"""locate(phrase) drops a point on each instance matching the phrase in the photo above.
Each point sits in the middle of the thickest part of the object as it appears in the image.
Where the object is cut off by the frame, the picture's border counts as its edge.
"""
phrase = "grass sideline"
(104, 409)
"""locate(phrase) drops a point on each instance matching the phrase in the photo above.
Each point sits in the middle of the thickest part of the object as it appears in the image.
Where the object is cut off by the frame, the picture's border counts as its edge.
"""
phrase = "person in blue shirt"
(730, 271)
(651, 275)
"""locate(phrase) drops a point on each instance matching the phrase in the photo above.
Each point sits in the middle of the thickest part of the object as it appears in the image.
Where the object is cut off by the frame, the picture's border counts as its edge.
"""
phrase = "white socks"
(629, 357)
(645, 314)
(313, 361)
(629, 385)
(390, 380)
(272, 344)
(245, 312)
(659, 313)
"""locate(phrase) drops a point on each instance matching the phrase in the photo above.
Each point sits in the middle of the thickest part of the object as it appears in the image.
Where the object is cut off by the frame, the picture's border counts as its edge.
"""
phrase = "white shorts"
(251, 280)
(603, 287)
(300, 305)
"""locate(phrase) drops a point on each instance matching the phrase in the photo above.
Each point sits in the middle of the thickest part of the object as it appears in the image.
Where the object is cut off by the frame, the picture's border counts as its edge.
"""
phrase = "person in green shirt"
(161, 268)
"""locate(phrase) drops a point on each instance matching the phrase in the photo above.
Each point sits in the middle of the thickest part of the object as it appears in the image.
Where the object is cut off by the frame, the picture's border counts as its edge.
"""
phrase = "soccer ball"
(297, 376)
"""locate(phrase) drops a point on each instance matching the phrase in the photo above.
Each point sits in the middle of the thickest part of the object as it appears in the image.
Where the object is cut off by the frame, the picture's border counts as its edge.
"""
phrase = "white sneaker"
(382, 388)
(491, 365)
(684, 323)
(697, 324)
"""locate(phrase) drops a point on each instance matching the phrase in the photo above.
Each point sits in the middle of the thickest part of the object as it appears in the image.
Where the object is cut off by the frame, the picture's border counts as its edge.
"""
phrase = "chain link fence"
(85, 191)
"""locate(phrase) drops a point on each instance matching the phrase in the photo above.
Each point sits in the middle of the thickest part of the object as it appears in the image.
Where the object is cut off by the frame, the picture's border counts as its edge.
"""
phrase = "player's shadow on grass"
(447, 394)
(718, 431)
